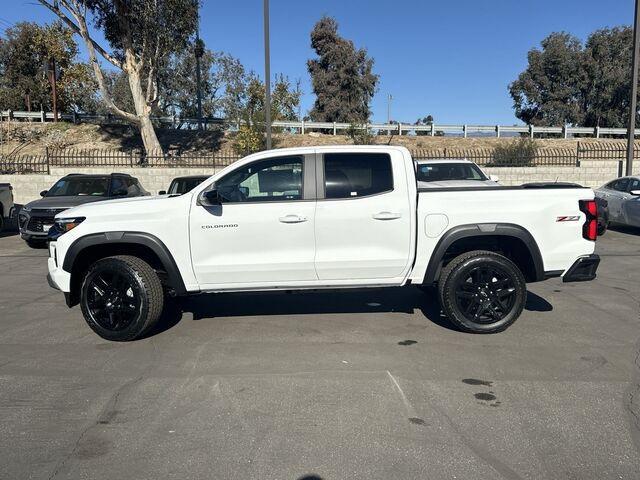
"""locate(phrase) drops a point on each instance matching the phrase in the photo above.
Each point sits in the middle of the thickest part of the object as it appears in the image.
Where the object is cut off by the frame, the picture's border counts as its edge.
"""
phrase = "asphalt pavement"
(367, 384)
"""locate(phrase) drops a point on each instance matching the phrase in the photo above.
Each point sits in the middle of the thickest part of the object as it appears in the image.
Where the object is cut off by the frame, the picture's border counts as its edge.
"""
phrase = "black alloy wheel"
(113, 299)
(121, 297)
(485, 294)
(482, 292)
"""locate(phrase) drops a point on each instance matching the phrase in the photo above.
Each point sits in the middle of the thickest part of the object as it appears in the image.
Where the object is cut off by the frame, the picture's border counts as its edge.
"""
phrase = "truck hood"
(64, 202)
(458, 183)
(98, 208)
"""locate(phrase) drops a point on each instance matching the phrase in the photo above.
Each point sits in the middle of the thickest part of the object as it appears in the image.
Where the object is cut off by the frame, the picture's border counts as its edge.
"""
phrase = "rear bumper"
(583, 269)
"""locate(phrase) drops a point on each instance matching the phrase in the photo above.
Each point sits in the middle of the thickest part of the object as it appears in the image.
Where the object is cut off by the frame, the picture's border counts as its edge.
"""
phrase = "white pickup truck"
(323, 217)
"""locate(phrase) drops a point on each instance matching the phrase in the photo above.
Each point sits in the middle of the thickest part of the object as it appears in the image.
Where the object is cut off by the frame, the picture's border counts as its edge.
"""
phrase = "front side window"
(634, 184)
(273, 180)
(353, 175)
(436, 172)
(79, 186)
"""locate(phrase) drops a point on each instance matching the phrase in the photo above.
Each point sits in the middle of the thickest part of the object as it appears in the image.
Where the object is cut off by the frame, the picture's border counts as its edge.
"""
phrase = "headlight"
(64, 225)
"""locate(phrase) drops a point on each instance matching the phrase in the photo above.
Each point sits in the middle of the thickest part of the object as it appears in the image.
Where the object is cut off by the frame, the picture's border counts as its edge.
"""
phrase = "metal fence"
(566, 157)
(302, 126)
(41, 164)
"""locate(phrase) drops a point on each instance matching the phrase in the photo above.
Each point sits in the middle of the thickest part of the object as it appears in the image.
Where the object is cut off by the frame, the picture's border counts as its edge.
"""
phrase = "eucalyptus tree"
(140, 35)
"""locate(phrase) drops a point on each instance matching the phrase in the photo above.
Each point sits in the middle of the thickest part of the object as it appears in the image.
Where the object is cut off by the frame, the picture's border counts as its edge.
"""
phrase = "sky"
(453, 60)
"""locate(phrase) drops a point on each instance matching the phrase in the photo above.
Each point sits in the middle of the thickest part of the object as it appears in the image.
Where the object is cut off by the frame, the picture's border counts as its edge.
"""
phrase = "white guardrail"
(302, 126)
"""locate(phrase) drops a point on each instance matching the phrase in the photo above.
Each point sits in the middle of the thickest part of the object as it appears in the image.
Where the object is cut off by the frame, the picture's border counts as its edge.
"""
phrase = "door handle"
(386, 216)
(293, 219)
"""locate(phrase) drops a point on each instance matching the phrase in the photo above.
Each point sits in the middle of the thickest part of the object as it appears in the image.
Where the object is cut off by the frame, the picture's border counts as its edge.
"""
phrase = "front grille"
(35, 223)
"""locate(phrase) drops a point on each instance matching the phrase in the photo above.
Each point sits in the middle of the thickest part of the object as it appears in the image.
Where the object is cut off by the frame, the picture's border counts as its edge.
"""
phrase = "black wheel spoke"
(111, 300)
(485, 294)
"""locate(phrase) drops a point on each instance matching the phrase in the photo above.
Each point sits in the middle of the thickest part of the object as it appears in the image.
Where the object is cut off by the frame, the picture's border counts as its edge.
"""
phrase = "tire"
(36, 244)
(121, 298)
(482, 292)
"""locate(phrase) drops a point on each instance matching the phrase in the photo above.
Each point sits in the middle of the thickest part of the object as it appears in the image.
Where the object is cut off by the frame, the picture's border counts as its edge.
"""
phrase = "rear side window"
(621, 185)
(353, 175)
(634, 184)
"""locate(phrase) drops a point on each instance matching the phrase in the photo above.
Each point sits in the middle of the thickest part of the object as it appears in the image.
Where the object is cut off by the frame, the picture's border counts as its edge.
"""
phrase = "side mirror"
(162, 192)
(121, 192)
(494, 178)
(635, 193)
(44, 192)
(210, 198)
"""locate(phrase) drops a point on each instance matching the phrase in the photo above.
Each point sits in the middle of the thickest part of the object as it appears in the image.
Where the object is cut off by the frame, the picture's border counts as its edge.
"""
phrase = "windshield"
(75, 186)
(435, 172)
(183, 185)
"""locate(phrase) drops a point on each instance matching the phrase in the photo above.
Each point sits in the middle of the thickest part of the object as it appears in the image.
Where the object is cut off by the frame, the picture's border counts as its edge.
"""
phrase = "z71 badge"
(568, 218)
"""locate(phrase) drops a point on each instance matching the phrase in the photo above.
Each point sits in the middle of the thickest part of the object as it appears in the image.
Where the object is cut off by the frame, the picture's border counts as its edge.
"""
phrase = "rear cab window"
(355, 175)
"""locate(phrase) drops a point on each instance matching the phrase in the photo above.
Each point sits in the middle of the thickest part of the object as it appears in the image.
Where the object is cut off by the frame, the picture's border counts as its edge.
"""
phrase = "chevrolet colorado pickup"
(323, 217)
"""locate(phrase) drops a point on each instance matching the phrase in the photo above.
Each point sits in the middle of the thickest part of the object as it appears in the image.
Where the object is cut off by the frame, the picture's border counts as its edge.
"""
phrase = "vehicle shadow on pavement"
(625, 229)
(374, 300)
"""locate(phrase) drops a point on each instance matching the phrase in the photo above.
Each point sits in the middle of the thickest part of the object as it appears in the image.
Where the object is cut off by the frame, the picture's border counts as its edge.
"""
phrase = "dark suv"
(35, 218)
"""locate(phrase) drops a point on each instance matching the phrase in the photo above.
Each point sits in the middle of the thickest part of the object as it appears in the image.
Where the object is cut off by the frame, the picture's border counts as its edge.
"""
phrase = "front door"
(263, 232)
(363, 223)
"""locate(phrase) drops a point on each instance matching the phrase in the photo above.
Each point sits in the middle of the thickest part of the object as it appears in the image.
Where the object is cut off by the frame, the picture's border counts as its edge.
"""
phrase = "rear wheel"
(482, 292)
(121, 297)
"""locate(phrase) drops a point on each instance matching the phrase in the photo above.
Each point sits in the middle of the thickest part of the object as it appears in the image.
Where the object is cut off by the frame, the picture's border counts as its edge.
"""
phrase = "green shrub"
(518, 153)
(360, 135)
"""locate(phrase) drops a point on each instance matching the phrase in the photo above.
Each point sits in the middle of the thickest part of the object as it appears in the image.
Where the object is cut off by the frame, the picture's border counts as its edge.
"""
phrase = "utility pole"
(267, 75)
(199, 51)
(634, 91)
(389, 98)
(54, 90)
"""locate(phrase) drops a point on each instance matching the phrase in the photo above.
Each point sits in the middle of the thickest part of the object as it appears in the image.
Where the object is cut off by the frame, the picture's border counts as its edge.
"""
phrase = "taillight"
(590, 227)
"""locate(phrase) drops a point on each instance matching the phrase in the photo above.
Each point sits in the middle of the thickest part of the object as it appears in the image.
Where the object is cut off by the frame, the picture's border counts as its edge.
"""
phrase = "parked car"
(452, 173)
(35, 218)
(6, 204)
(322, 217)
(623, 199)
(182, 185)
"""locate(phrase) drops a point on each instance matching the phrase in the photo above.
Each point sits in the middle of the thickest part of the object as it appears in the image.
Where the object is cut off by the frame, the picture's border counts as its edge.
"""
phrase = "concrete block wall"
(28, 187)
(592, 173)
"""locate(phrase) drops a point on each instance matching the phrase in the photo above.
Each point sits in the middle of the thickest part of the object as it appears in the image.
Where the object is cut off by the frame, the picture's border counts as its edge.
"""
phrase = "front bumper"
(582, 270)
(57, 277)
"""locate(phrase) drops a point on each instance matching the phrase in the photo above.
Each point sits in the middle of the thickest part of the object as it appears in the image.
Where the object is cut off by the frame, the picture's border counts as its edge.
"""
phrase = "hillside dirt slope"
(21, 138)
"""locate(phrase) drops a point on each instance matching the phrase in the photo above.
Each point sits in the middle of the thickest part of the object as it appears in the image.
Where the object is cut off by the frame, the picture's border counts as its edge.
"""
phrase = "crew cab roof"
(443, 160)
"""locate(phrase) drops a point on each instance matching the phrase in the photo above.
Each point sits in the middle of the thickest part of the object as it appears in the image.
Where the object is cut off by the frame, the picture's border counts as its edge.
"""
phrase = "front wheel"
(482, 292)
(121, 297)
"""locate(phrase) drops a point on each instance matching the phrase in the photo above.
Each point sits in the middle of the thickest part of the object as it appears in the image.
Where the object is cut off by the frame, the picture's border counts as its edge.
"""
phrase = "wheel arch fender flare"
(174, 278)
(483, 230)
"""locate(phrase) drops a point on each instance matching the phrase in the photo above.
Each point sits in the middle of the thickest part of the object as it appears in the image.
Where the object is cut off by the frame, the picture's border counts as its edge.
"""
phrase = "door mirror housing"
(210, 198)
(494, 178)
(162, 192)
(44, 192)
(635, 193)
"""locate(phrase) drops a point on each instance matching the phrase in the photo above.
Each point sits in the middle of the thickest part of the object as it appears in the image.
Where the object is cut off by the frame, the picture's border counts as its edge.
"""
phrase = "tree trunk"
(143, 111)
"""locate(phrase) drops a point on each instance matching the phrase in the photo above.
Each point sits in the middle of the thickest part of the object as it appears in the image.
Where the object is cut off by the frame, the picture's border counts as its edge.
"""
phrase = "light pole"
(199, 51)
(634, 91)
(389, 98)
(267, 75)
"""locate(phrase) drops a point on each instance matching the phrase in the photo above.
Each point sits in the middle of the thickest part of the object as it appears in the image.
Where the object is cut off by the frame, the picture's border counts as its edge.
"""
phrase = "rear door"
(363, 216)
(632, 203)
(617, 194)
